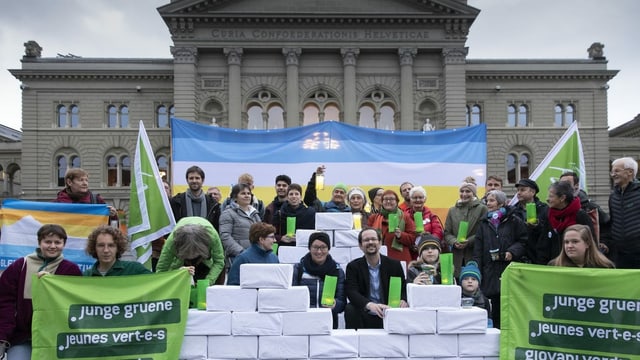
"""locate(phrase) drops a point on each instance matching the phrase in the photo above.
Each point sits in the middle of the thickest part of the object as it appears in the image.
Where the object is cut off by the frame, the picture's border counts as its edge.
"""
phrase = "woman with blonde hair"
(580, 250)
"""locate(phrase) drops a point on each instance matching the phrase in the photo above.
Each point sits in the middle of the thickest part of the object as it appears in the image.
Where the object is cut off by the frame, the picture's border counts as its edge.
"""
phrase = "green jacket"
(169, 261)
(119, 268)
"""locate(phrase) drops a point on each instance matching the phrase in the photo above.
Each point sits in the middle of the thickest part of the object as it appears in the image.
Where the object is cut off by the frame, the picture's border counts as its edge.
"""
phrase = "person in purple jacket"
(15, 289)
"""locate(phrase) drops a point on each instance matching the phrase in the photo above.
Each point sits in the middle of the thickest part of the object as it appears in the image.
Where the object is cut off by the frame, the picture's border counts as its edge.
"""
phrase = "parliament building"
(255, 64)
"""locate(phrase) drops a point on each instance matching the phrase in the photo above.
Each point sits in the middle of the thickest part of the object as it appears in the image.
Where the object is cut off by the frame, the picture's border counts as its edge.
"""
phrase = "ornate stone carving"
(407, 55)
(455, 55)
(595, 51)
(349, 56)
(184, 54)
(32, 49)
(291, 55)
(234, 56)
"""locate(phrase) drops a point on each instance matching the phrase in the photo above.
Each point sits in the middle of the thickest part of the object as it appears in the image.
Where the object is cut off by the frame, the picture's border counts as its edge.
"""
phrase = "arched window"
(564, 115)
(387, 118)
(379, 111)
(68, 116)
(311, 114)
(265, 111)
(320, 106)
(275, 119)
(112, 114)
(522, 116)
(517, 116)
(518, 165)
(118, 170)
(255, 118)
(75, 116)
(67, 159)
(475, 115)
(367, 117)
(163, 114)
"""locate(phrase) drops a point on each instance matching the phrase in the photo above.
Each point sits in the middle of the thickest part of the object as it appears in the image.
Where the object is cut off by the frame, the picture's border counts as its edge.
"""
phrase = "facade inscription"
(331, 35)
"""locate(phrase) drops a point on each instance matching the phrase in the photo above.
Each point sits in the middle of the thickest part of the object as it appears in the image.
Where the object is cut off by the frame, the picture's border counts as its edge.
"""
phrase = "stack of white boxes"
(267, 318)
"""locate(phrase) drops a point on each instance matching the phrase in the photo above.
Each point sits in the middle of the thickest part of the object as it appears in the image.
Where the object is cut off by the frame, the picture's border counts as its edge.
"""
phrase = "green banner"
(551, 312)
(117, 317)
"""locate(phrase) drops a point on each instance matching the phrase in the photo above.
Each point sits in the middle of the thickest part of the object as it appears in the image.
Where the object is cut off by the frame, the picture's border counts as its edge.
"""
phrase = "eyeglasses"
(389, 199)
(272, 236)
(319, 248)
(617, 171)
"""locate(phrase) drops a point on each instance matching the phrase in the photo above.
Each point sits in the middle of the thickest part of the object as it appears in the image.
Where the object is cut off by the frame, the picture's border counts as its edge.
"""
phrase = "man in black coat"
(367, 283)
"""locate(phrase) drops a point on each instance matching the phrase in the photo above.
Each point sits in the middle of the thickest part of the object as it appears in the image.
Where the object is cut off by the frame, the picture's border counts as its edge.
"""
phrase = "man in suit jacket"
(367, 283)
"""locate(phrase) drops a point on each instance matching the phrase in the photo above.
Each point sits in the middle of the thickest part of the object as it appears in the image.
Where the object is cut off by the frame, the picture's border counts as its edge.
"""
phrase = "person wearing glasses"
(625, 217)
(262, 237)
(368, 282)
(311, 272)
(400, 240)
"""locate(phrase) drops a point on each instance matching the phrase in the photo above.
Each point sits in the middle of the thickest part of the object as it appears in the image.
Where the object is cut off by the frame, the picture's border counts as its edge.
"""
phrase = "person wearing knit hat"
(469, 185)
(426, 269)
(320, 236)
(467, 209)
(312, 270)
(358, 201)
(470, 278)
(338, 202)
(375, 195)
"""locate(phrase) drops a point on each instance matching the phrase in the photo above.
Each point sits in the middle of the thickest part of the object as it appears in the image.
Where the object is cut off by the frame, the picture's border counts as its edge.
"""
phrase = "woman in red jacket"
(399, 241)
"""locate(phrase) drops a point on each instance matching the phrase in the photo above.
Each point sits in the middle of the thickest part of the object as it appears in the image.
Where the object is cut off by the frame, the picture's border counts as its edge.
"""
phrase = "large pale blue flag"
(150, 215)
(566, 155)
(355, 156)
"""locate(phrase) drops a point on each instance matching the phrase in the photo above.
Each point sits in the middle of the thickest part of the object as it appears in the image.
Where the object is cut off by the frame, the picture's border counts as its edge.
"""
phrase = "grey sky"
(506, 29)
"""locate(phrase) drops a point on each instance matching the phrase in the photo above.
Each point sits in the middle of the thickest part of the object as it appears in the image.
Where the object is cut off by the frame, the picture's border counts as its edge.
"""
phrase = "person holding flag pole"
(150, 215)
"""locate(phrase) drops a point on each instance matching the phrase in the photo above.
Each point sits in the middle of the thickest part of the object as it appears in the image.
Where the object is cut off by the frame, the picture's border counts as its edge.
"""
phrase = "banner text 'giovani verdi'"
(118, 317)
(564, 313)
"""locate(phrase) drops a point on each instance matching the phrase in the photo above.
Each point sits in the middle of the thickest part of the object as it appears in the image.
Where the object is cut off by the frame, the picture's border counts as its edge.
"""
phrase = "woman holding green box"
(322, 275)
(465, 215)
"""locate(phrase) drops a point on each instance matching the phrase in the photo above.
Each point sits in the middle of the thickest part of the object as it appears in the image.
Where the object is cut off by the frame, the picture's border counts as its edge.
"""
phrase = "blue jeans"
(20, 351)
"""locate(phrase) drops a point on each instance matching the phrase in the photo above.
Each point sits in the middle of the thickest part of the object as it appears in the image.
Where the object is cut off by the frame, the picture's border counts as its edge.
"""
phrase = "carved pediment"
(292, 9)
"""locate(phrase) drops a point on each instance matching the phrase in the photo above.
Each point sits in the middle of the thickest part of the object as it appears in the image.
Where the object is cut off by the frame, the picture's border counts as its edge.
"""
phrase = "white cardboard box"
(208, 323)
(291, 254)
(334, 221)
(409, 321)
(345, 238)
(341, 343)
(433, 345)
(232, 347)
(194, 348)
(266, 276)
(302, 237)
(462, 321)
(315, 321)
(481, 345)
(295, 298)
(255, 323)
(433, 296)
(231, 298)
(283, 347)
(379, 343)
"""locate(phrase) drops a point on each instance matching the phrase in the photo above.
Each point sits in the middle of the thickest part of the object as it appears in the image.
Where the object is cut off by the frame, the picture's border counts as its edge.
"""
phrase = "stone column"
(349, 57)
(455, 86)
(185, 60)
(406, 87)
(291, 56)
(234, 60)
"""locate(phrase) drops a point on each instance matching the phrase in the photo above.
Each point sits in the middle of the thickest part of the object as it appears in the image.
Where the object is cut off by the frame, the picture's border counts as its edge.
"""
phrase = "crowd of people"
(213, 237)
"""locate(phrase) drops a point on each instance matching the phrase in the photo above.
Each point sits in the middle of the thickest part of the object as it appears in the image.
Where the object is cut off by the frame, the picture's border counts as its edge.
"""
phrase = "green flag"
(150, 215)
(566, 155)
(111, 317)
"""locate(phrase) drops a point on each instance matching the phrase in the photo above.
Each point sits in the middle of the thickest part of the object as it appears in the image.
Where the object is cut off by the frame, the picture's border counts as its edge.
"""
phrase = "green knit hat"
(340, 186)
